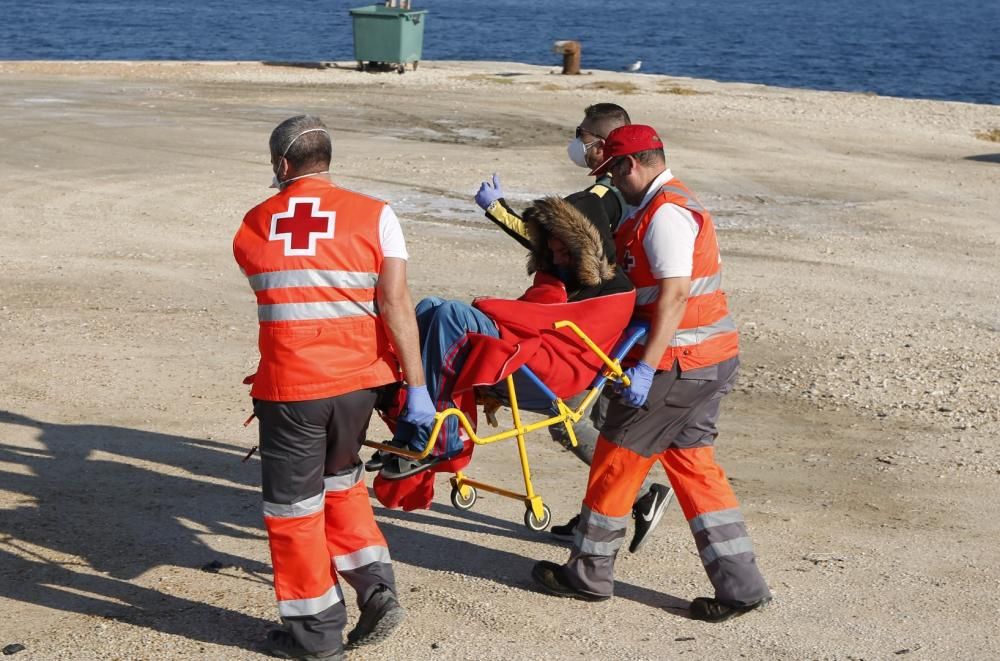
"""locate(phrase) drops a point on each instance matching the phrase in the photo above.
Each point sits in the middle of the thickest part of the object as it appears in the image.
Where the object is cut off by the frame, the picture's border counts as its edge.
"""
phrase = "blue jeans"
(443, 327)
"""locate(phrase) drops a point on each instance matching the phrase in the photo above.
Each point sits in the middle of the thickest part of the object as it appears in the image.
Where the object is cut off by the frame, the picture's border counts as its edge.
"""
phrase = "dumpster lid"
(388, 11)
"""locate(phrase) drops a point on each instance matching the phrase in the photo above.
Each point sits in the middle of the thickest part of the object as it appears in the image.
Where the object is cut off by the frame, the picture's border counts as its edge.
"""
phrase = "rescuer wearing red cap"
(605, 206)
(678, 376)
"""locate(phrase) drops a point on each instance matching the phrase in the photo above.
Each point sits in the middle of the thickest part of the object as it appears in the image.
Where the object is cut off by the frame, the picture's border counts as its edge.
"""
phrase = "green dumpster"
(388, 36)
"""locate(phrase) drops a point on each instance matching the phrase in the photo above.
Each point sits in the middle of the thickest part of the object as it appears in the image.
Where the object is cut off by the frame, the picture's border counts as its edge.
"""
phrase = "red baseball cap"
(626, 140)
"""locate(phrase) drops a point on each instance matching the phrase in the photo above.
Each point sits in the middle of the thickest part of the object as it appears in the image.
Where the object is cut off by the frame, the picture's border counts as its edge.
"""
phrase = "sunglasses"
(580, 131)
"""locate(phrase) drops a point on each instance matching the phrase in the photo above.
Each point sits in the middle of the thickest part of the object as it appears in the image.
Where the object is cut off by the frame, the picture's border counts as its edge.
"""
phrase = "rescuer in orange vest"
(678, 376)
(605, 205)
(328, 268)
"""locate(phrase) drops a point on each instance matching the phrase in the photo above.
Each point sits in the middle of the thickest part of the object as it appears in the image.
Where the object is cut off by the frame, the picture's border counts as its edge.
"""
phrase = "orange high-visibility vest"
(706, 334)
(313, 257)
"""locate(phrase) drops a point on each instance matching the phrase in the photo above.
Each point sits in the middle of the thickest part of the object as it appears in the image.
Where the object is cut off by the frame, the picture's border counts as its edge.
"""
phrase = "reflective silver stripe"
(318, 310)
(590, 547)
(689, 336)
(706, 285)
(713, 519)
(344, 482)
(301, 508)
(314, 606)
(361, 558)
(313, 278)
(713, 552)
(699, 287)
(647, 295)
(691, 203)
(590, 517)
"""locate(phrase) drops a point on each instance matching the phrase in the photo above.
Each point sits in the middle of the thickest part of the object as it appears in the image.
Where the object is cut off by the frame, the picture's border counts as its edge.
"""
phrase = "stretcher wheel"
(463, 503)
(536, 524)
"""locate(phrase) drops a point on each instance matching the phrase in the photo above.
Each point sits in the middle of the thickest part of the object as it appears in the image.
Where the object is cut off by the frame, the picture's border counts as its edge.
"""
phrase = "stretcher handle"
(612, 365)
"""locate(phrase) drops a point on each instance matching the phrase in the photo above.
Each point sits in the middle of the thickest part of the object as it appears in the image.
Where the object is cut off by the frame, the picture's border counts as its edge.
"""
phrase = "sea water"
(910, 48)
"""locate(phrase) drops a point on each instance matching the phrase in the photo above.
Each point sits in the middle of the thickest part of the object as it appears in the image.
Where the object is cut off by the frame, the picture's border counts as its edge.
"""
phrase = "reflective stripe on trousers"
(313, 606)
(297, 538)
(706, 499)
(727, 554)
(355, 544)
(361, 558)
(345, 481)
(611, 490)
(720, 534)
(599, 534)
(314, 504)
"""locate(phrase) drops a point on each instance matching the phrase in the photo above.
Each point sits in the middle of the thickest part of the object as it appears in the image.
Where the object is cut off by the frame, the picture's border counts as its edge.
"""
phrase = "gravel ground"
(860, 238)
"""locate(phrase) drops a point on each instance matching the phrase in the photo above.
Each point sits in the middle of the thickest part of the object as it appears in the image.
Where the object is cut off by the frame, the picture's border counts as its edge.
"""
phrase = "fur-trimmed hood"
(588, 241)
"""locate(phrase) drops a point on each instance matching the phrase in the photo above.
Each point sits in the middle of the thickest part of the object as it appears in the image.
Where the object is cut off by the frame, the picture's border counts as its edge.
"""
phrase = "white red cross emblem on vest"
(301, 226)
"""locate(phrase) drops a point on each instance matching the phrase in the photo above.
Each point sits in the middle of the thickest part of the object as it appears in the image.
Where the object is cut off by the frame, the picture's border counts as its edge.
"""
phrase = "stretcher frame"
(464, 489)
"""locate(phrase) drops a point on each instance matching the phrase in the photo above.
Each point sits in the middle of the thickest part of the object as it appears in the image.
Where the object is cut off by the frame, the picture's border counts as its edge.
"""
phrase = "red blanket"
(527, 337)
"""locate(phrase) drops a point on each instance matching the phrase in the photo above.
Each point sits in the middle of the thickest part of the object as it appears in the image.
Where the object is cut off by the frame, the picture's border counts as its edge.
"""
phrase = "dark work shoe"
(379, 458)
(379, 617)
(647, 513)
(399, 467)
(377, 461)
(550, 577)
(709, 609)
(282, 644)
(567, 531)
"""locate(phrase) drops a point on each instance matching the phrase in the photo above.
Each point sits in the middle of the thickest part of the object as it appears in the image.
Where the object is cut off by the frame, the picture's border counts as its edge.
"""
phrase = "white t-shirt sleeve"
(669, 242)
(390, 234)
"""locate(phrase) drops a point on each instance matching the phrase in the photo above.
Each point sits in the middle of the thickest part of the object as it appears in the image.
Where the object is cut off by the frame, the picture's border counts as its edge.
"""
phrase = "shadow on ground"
(101, 505)
(116, 503)
(442, 553)
(984, 158)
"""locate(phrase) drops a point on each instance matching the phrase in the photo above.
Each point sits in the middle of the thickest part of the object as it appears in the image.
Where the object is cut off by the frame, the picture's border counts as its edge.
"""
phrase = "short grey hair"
(313, 148)
(651, 157)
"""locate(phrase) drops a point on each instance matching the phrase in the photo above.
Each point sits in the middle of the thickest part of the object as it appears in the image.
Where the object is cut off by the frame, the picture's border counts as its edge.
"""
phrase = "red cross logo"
(628, 261)
(302, 225)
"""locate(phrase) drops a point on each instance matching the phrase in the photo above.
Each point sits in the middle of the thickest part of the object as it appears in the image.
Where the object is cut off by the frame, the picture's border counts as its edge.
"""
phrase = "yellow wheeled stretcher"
(464, 490)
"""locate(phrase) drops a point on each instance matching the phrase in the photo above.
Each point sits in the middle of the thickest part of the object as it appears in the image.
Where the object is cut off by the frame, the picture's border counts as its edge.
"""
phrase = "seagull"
(635, 66)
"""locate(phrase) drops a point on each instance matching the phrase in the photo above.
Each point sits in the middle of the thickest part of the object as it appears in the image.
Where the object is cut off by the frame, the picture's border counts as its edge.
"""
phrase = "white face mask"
(577, 151)
(277, 183)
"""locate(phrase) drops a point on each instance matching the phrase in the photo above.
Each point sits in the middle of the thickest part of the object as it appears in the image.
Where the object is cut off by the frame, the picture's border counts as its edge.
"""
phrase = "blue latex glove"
(489, 193)
(420, 409)
(640, 379)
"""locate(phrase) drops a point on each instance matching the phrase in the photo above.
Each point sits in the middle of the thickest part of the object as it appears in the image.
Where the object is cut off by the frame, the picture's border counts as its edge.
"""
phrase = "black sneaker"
(379, 617)
(709, 609)
(567, 531)
(282, 644)
(647, 513)
(549, 576)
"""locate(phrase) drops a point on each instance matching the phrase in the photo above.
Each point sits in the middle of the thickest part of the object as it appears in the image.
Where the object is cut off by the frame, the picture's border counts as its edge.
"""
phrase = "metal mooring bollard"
(570, 51)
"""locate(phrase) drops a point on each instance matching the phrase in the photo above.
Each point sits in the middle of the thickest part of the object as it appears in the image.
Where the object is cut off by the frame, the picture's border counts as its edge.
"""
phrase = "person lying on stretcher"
(463, 346)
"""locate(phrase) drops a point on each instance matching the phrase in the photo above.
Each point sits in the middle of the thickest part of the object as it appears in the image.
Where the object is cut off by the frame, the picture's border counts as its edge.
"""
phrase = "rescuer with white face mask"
(336, 329)
(586, 150)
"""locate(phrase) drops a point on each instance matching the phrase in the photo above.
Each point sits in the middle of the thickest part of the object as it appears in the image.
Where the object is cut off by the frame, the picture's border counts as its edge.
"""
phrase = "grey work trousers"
(318, 516)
